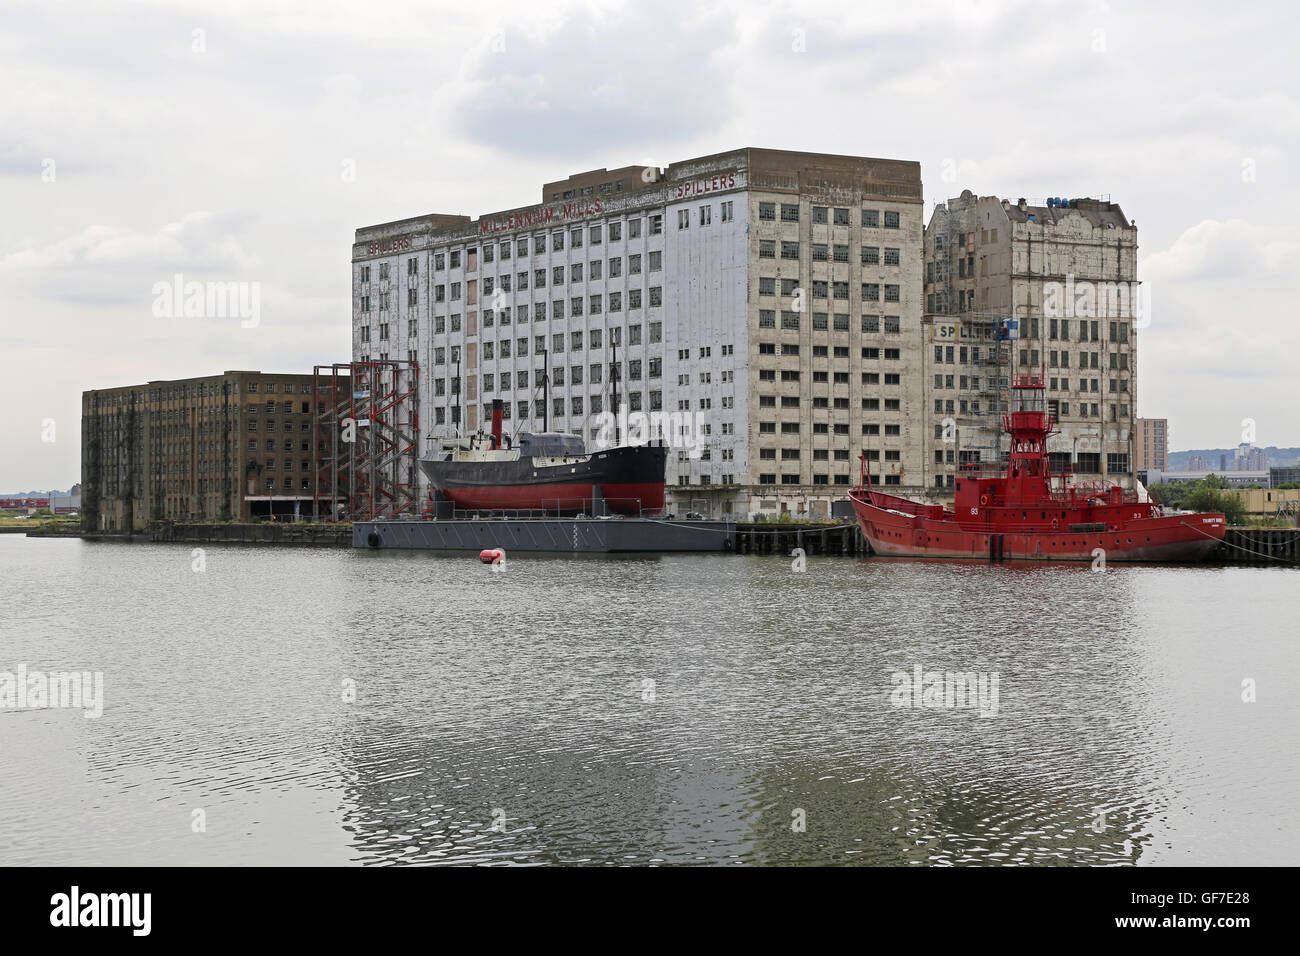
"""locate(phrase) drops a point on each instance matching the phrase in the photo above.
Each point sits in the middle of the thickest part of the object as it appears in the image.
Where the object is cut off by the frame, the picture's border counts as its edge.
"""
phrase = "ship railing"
(981, 469)
(1091, 488)
(905, 505)
(558, 508)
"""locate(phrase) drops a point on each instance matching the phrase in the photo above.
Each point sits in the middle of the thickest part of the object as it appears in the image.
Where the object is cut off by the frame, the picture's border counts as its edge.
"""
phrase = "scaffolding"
(990, 362)
(367, 439)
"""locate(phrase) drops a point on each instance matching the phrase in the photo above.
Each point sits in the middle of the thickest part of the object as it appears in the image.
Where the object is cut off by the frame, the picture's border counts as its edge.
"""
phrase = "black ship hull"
(629, 479)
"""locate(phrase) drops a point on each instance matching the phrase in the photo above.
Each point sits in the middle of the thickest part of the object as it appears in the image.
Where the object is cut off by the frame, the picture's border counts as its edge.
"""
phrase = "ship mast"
(456, 389)
(614, 382)
(546, 392)
(1029, 424)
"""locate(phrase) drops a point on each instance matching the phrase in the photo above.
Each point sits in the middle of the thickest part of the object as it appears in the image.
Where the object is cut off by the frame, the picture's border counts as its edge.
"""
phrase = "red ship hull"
(1028, 514)
(1181, 538)
(568, 498)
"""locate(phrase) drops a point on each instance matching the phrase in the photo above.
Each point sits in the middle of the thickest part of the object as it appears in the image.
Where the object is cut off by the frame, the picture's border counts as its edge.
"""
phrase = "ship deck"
(549, 535)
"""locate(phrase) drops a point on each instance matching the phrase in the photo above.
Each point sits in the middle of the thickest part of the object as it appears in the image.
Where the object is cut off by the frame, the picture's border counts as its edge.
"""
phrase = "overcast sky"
(246, 141)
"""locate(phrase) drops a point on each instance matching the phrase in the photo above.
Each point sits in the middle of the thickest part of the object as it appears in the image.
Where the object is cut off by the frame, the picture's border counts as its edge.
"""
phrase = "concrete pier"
(555, 535)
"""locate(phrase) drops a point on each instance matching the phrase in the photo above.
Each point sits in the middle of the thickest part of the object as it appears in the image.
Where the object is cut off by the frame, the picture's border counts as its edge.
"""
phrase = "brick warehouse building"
(223, 447)
(768, 301)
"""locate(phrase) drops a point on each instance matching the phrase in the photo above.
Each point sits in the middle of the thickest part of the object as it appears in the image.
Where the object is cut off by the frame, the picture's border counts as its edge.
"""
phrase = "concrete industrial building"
(1151, 444)
(1060, 279)
(768, 302)
(223, 447)
(1271, 503)
(1285, 475)
(1234, 479)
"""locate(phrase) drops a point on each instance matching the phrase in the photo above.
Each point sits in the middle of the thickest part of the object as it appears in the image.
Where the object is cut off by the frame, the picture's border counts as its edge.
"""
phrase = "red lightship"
(1028, 514)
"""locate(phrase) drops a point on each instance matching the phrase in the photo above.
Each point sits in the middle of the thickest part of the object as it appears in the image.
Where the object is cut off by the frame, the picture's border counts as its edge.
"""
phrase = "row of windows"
(269, 388)
(835, 252)
(594, 270)
(972, 383)
(577, 306)
(594, 233)
(272, 444)
(1055, 359)
(575, 236)
(270, 484)
(594, 373)
(823, 289)
(574, 404)
(822, 321)
(595, 305)
(794, 454)
(304, 426)
(948, 354)
(793, 479)
(594, 339)
(838, 215)
(286, 408)
(705, 215)
(269, 465)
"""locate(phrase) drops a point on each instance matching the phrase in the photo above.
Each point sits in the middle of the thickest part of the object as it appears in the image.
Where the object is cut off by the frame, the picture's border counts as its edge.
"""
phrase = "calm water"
(526, 694)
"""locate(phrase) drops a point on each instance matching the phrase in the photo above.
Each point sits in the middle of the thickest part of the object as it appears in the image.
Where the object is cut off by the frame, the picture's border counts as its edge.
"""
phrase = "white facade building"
(683, 272)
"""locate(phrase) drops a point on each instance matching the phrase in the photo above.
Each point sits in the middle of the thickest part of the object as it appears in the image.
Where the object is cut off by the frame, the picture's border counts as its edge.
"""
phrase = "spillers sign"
(582, 208)
(396, 244)
(698, 187)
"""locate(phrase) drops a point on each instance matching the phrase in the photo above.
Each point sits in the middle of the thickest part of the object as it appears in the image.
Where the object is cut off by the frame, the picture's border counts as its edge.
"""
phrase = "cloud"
(1231, 249)
(596, 80)
(199, 240)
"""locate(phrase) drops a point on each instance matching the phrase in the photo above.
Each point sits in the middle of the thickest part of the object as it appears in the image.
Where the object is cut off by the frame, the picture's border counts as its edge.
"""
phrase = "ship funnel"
(497, 412)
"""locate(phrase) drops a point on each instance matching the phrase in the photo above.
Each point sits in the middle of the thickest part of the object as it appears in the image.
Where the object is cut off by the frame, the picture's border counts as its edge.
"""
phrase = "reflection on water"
(687, 709)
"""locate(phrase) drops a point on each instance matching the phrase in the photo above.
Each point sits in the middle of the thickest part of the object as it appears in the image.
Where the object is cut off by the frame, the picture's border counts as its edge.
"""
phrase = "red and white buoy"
(491, 555)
